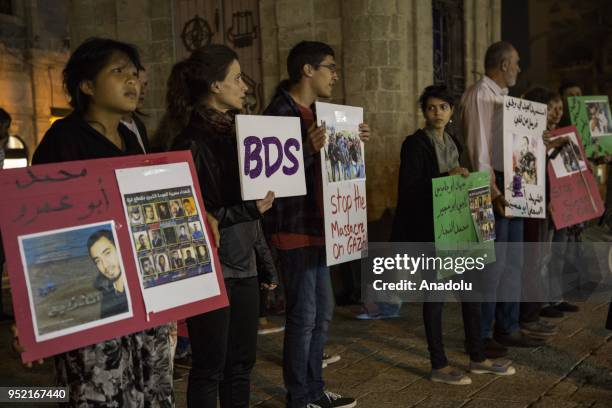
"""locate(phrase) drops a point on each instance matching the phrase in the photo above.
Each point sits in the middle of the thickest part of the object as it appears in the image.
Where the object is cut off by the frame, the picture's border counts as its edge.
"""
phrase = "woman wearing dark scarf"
(101, 77)
(204, 91)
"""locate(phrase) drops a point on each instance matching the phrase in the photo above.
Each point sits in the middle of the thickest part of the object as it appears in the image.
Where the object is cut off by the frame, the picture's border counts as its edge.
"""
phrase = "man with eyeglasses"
(295, 226)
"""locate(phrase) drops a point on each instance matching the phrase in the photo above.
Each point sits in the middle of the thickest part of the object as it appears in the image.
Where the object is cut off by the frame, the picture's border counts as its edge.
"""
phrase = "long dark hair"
(189, 83)
(87, 61)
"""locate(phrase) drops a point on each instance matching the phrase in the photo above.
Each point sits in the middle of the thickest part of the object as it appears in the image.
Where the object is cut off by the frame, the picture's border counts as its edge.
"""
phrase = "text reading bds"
(269, 153)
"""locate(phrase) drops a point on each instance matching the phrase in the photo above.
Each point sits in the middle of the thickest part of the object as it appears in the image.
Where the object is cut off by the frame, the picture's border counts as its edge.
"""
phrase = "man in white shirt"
(482, 119)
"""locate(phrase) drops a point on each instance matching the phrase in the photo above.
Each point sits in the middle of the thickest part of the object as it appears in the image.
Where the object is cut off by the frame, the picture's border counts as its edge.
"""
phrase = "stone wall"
(144, 23)
(383, 47)
(32, 57)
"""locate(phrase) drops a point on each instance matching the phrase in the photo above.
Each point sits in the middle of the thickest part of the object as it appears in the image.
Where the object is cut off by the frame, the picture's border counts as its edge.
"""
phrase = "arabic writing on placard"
(30, 213)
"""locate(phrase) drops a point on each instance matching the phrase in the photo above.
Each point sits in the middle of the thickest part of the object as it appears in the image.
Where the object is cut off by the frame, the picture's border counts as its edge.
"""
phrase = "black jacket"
(301, 214)
(71, 138)
(215, 156)
(413, 220)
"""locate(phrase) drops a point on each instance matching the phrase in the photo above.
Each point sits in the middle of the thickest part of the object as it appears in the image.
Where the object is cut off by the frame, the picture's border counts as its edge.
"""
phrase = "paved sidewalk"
(385, 364)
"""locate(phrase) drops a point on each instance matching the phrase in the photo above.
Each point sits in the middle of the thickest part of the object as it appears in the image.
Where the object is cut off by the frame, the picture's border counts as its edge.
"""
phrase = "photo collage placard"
(168, 235)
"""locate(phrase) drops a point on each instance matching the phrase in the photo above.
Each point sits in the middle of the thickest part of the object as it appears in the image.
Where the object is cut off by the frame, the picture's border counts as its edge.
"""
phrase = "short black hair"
(5, 117)
(306, 52)
(96, 236)
(436, 91)
(87, 61)
(496, 53)
(541, 95)
(567, 84)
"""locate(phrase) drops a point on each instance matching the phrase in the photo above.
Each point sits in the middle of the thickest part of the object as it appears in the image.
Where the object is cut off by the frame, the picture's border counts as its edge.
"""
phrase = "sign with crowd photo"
(344, 189)
(76, 276)
(524, 157)
(574, 196)
(593, 120)
(168, 240)
(270, 156)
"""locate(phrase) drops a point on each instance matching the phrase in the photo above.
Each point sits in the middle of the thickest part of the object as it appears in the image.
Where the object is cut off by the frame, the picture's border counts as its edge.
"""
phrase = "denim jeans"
(504, 276)
(309, 308)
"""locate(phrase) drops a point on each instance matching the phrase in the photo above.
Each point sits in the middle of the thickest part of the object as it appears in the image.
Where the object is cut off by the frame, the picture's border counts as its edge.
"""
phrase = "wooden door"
(234, 23)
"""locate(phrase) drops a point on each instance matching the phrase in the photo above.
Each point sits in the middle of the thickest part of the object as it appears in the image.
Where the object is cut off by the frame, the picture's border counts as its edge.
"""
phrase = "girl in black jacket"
(203, 92)
(101, 77)
(427, 154)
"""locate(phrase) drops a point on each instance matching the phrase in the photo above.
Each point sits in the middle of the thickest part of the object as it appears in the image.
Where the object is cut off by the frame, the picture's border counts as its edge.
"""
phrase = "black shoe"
(518, 339)
(331, 400)
(566, 307)
(551, 312)
(493, 349)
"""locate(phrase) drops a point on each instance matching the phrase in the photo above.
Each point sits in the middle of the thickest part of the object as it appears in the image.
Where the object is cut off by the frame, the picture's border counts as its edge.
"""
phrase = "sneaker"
(551, 312)
(539, 329)
(330, 359)
(267, 327)
(376, 316)
(566, 307)
(493, 349)
(518, 339)
(500, 367)
(453, 377)
(331, 400)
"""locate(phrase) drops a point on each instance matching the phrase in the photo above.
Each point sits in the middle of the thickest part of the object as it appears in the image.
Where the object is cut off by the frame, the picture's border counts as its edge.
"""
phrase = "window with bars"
(448, 45)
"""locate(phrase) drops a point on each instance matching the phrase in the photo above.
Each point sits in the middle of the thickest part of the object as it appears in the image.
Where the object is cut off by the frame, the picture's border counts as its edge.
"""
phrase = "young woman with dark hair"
(427, 154)
(101, 78)
(204, 92)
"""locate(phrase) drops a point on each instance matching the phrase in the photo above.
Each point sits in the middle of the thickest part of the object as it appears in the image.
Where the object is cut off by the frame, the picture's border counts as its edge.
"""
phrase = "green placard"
(591, 116)
(453, 224)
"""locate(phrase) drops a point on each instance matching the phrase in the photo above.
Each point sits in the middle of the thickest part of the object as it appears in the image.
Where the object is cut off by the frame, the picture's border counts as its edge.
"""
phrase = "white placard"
(524, 158)
(169, 240)
(270, 156)
(344, 189)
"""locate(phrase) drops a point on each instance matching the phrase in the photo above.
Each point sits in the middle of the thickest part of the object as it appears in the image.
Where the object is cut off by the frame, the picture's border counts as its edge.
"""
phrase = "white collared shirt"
(482, 121)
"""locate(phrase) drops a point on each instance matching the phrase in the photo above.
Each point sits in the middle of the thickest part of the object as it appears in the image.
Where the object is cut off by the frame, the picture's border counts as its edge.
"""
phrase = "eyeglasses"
(333, 68)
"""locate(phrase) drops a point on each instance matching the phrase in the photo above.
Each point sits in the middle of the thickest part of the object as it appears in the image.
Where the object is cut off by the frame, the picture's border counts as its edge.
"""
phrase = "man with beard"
(103, 252)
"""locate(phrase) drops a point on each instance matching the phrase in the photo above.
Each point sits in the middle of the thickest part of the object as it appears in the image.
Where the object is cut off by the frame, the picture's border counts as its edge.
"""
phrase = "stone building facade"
(384, 48)
(33, 51)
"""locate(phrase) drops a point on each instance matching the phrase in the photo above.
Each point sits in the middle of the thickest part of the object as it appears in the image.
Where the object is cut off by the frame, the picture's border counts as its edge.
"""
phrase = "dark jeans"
(504, 276)
(223, 347)
(309, 309)
(432, 317)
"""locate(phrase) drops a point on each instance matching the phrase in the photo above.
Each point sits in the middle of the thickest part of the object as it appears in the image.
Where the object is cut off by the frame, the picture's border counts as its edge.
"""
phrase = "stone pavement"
(385, 364)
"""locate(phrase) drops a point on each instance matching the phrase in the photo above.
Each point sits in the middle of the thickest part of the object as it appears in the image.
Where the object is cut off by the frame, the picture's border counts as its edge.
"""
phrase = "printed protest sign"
(70, 252)
(455, 199)
(168, 239)
(593, 120)
(524, 157)
(574, 196)
(270, 156)
(344, 189)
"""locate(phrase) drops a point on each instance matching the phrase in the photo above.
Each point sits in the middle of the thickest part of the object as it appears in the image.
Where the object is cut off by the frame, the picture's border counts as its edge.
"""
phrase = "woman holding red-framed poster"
(101, 78)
